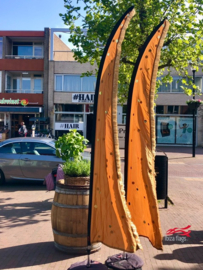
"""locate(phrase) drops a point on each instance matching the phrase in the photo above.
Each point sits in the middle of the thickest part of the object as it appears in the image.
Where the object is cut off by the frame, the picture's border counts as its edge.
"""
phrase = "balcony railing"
(28, 91)
(24, 57)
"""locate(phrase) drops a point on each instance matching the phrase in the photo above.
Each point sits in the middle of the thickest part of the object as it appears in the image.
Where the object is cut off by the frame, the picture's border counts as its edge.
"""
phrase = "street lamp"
(194, 112)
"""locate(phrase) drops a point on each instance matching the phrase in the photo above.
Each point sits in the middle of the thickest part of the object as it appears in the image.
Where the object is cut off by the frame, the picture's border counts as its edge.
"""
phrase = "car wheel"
(2, 178)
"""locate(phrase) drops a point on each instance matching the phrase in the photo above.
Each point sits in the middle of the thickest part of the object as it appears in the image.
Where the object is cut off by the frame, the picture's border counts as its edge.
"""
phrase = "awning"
(21, 109)
(39, 119)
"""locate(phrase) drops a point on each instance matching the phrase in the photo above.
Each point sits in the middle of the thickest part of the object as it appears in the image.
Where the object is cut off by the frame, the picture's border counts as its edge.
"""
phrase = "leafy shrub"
(70, 145)
(76, 168)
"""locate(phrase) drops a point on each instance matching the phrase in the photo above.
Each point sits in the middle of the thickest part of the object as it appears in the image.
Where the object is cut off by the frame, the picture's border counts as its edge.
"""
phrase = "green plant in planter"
(77, 168)
(70, 147)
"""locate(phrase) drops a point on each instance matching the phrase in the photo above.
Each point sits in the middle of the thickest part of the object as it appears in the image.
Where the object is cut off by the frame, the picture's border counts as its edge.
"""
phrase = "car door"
(10, 155)
(38, 160)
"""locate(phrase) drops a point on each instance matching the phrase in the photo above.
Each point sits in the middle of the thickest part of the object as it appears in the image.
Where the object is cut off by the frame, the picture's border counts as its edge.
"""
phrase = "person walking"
(22, 130)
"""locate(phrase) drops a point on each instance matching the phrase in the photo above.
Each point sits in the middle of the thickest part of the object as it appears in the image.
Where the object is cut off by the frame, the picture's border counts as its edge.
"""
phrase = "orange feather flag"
(109, 216)
(140, 140)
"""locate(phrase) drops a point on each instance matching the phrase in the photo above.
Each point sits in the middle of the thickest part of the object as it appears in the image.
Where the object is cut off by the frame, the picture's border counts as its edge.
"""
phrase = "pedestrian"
(21, 131)
(24, 130)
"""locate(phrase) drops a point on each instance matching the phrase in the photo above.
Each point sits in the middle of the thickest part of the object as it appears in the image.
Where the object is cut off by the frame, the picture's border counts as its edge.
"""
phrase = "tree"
(184, 41)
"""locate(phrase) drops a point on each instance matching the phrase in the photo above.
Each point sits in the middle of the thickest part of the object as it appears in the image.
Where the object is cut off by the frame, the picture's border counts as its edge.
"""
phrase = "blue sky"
(31, 14)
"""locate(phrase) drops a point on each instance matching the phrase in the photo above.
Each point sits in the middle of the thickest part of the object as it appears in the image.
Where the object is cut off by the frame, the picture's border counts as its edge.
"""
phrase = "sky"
(31, 14)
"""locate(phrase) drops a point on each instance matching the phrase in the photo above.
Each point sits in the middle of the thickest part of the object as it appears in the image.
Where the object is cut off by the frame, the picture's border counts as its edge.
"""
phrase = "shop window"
(69, 108)
(1, 47)
(69, 118)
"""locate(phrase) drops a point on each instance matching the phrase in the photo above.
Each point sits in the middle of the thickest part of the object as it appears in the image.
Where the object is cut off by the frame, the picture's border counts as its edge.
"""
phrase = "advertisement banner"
(165, 129)
(68, 126)
(184, 130)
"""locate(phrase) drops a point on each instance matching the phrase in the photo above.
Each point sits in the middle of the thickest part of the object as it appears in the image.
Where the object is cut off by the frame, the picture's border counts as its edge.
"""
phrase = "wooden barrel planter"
(69, 216)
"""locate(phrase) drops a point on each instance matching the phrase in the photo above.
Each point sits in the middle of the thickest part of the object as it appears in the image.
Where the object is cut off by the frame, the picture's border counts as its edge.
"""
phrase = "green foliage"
(77, 168)
(183, 42)
(70, 146)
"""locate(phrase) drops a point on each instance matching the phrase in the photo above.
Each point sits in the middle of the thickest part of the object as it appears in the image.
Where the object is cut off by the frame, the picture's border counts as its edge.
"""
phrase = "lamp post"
(193, 113)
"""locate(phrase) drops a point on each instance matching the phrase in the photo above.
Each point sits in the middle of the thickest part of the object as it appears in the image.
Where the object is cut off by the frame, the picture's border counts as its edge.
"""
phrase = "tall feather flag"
(140, 139)
(109, 218)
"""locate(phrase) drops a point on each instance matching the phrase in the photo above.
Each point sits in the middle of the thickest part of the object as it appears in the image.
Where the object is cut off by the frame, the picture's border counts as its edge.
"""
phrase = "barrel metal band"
(70, 235)
(71, 192)
(71, 206)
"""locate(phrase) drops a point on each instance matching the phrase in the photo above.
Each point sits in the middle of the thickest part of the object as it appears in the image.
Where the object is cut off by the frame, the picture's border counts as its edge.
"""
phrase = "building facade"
(41, 82)
(23, 78)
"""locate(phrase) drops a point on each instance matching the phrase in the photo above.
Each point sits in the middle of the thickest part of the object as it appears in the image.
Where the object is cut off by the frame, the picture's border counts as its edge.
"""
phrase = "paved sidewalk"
(26, 240)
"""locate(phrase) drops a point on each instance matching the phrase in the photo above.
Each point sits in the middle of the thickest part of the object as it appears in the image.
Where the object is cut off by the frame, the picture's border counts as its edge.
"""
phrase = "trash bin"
(161, 168)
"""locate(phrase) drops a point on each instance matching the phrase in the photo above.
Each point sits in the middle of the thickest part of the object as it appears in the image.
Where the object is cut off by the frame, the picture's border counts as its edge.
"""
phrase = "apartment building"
(24, 61)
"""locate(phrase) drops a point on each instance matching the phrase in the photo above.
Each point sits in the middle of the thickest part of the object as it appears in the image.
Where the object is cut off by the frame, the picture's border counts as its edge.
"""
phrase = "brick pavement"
(26, 240)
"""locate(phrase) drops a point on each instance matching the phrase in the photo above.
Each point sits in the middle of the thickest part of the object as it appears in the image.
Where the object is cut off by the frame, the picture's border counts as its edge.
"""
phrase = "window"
(89, 84)
(34, 148)
(75, 83)
(43, 149)
(69, 108)
(173, 110)
(175, 86)
(1, 47)
(58, 86)
(28, 49)
(159, 109)
(165, 87)
(11, 148)
(37, 85)
(16, 84)
(26, 85)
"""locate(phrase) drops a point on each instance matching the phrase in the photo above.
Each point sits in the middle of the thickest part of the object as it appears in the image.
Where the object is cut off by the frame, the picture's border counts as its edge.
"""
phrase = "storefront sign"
(67, 126)
(10, 101)
(88, 98)
(121, 136)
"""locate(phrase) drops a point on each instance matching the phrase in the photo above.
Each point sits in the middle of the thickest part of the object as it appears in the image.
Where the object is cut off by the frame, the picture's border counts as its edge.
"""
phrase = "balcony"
(22, 91)
(23, 57)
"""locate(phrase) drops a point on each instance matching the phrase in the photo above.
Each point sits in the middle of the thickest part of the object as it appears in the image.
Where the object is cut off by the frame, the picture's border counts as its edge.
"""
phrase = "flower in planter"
(194, 101)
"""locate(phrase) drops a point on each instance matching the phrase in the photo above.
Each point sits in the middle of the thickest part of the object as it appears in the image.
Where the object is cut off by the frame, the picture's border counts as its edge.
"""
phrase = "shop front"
(76, 115)
(17, 108)
(174, 130)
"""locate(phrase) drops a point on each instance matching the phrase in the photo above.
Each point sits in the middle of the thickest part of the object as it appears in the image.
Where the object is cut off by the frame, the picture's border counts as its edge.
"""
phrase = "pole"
(194, 118)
